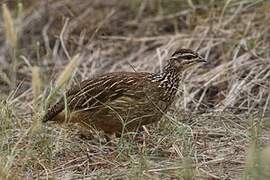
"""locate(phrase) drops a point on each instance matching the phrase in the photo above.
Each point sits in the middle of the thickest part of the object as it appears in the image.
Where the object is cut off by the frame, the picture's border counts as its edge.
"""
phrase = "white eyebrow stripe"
(189, 54)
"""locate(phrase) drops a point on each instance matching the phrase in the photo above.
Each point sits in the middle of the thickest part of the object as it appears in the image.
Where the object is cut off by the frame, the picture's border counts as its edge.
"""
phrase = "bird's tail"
(59, 118)
(54, 113)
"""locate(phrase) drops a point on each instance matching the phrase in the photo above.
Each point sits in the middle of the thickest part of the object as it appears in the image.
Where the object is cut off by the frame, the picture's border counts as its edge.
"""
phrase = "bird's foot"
(139, 137)
(110, 139)
(86, 136)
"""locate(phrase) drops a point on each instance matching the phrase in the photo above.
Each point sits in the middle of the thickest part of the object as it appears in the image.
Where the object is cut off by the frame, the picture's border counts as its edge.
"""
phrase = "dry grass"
(218, 128)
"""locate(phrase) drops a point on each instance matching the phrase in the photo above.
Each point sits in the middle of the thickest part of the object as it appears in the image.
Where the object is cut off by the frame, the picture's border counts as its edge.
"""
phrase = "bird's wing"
(95, 92)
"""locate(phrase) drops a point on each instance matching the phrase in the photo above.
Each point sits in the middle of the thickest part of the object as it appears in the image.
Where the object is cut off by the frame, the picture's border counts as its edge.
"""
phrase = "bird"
(120, 102)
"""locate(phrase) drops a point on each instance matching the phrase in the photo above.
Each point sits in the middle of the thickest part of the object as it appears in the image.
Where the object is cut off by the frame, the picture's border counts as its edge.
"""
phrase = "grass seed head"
(67, 72)
(10, 30)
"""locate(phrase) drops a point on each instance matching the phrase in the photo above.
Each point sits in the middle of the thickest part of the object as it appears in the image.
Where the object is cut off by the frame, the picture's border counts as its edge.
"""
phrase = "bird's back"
(116, 89)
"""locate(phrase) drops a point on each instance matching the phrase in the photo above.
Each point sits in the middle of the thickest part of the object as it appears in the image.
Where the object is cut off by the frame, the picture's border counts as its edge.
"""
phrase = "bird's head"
(184, 58)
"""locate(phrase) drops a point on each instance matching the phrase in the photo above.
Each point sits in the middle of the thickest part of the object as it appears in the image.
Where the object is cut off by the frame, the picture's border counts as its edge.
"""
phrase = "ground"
(218, 127)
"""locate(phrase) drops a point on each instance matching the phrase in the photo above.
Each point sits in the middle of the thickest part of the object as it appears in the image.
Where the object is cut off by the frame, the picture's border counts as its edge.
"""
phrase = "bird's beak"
(201, 59)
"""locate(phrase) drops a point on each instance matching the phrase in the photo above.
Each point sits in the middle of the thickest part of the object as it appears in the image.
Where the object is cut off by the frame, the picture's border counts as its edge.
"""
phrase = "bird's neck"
(168, 80)
(168, 74)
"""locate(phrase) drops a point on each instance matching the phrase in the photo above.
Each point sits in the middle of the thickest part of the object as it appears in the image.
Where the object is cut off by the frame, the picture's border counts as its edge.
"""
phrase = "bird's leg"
(140, 136)
(110, 137)
(87, 132)
(86, 135)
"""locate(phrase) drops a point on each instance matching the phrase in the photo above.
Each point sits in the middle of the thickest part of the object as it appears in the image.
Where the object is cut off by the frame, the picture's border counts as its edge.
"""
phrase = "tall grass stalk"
(11, 38)
(36, 90)
(63, 78)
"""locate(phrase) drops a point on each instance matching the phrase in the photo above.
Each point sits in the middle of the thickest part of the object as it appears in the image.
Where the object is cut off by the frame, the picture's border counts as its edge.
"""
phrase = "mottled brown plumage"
(124, 100)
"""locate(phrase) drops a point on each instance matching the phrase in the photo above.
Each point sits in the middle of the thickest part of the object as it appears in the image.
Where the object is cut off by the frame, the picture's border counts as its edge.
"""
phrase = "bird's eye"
(189, 57)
